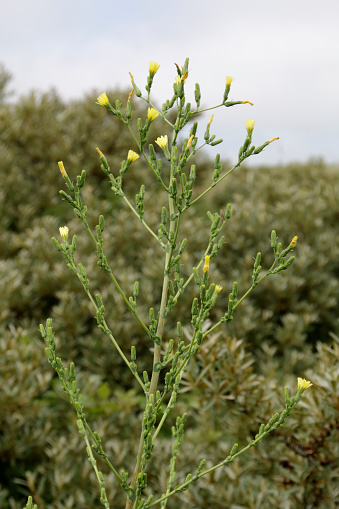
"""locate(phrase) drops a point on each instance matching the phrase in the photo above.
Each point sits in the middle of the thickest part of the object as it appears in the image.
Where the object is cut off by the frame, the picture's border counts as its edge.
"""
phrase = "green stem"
(212, 186)
(157, 348)
(143, 222)
(112, 338)
(166, 412)
(118, 287)
(268, 273)
(229, 459)
(108, 463)
(160, 111)
(191, 276)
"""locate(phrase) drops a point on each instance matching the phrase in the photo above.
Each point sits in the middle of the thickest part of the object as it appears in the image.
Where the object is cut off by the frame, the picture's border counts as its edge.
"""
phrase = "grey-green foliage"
(232, 397)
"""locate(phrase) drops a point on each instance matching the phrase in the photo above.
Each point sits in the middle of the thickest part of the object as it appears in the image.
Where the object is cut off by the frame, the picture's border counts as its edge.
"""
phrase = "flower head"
(64, 232)
(178, 80)
(210, 120)
(228, 81)
(162, 141)
(218, 288)
(103, 100)
(303, 384)
(250, 126)
(207, 264)
(132, 156)
(152, 113)
(153, 67)
(99, 152)
(62, 169)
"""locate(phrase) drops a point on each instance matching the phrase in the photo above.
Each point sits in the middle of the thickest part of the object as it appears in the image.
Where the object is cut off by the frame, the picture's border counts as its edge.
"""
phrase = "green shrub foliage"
(286, 327)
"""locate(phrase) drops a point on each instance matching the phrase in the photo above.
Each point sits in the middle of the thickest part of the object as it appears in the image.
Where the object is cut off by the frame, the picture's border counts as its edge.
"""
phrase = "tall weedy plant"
(176, 177)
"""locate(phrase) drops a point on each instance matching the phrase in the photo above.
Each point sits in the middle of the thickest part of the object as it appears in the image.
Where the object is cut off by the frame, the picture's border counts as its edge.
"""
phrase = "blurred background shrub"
(288, 327)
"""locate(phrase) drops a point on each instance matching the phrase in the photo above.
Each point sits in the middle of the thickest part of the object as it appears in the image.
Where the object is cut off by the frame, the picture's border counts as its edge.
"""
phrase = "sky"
(282, 55)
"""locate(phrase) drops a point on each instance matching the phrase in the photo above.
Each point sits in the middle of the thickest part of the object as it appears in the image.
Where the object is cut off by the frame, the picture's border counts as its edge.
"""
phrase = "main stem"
(157, 348)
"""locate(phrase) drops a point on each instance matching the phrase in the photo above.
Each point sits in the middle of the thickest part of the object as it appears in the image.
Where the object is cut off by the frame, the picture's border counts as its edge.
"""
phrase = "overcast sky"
(283, 56)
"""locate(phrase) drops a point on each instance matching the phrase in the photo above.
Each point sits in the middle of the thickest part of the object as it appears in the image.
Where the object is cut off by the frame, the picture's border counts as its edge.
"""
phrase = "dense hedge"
(280, 332)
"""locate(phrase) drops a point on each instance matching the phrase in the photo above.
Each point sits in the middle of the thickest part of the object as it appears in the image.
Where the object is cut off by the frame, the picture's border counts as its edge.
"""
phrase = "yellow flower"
(99, 152)
(218, 288)
(228, 81)
(210, 120)
(294, 241)
(303, 384)
(103, 100)
(132, 156)
(64, 232)
(153, 67)
(152, 113)
(250, 126)
(207, 264)
(62, 169)
(178, 80)
(162, 141)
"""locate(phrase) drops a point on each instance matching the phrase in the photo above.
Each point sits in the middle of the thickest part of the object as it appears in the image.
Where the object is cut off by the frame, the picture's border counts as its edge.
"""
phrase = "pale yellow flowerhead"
(178, 80)
(250, 126)
(218, 288)
(207, 264)
(228, 81)
(152, 113)
(103, 100)
(132, 156)
(64, 232)
(303, 384)
(62, 169)
(162, 141)
(153, 67)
